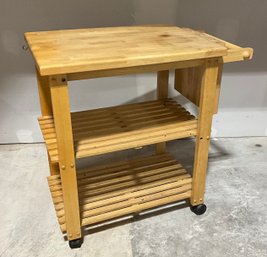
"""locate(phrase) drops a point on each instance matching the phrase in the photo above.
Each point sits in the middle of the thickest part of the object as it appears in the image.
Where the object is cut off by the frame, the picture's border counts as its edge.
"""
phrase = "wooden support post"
(162, 92)
(46, 109)
(210, 72)
(44, 94)
(218, 86)
(62, 119)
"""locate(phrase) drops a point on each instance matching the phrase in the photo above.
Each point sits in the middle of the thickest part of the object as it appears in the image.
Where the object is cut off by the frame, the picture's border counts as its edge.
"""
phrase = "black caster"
(76, 243)
(199, 209)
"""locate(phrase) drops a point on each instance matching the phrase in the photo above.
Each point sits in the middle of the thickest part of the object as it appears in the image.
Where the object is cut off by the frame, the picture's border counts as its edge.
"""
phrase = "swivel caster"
(199, 209)
(76, 243)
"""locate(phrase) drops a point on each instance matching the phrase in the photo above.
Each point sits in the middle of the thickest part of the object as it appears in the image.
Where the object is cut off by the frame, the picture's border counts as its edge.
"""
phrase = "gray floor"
(234, 225)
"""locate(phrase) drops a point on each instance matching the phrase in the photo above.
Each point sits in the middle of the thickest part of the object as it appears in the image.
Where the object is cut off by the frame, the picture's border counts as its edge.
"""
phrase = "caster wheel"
(76, 243)
(199, 209)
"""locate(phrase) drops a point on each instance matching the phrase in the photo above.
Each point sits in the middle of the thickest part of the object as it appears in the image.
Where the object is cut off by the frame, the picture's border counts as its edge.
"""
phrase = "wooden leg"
(218, 87)
(54, 167)
(162, 92)
(46, 109)
(44, 94)
(62, 119)
(206, 109)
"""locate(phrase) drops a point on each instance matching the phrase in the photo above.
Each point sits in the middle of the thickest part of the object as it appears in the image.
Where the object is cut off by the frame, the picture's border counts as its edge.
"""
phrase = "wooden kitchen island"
(105, 192)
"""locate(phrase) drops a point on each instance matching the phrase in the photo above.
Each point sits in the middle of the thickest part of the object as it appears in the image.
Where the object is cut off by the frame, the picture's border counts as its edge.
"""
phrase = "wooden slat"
(133, 199)
(150, 173)
(123, 171)
(96, 133)
(122, 127)
(134, 208)
(89, 200)
(111, 167)
(103, 194)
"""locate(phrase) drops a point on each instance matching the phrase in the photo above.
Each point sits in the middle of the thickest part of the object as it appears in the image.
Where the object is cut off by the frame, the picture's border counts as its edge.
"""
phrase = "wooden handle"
(246, 54)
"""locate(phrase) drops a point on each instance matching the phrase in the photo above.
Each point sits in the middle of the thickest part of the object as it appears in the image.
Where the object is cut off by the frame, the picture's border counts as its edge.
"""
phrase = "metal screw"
(25, 47)
(63, 167)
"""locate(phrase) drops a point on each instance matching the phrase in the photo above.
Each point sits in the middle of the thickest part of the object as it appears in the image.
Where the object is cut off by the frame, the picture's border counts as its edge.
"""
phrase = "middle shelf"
(122, 127)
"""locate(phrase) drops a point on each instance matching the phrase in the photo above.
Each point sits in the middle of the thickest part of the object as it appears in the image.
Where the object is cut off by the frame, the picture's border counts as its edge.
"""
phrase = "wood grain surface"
(81, 50)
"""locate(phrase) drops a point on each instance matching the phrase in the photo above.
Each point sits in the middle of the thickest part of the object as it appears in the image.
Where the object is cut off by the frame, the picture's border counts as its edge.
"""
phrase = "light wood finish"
(81, 50)
(53, 166)
(61, 112)
(218, 87)
(108, 192)
(44, 94)
(187, 83)
(234, 53)
(134, 70)
(122, 127)
(207, 95)
(162, 84)
(46, 109)
(162, 93)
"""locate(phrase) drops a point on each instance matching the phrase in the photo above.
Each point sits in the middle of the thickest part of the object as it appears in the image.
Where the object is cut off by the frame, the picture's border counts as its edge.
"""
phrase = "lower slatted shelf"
(108, 192)
(118, 128)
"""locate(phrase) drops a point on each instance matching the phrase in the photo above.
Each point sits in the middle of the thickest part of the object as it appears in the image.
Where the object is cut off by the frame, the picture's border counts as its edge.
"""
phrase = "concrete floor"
(235, 223)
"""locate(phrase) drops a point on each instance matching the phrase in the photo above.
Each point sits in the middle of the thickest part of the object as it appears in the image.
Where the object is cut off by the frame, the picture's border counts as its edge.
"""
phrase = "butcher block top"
(95, 49)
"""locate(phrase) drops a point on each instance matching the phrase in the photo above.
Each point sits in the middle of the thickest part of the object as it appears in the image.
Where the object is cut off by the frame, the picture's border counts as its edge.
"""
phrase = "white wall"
(243, 104)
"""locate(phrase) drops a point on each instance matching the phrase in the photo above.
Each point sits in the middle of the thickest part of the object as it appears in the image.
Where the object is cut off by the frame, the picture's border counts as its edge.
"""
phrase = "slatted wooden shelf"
(122, 127)
(108, 192)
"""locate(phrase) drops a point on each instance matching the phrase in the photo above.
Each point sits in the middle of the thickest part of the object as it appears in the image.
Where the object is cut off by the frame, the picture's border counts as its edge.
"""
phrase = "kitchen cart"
(105, 192)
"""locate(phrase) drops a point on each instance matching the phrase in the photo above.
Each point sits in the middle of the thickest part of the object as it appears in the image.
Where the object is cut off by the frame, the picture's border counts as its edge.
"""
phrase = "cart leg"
(62, 119)
(46, 109)
(54, 167)
(162, 92)
(218, 87)
(210, 72)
